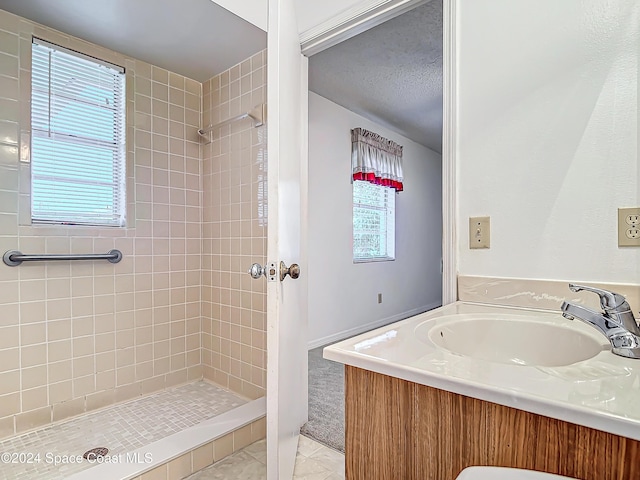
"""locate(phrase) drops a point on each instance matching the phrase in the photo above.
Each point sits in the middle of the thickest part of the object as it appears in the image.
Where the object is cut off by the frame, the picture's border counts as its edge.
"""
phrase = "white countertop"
(602, 392)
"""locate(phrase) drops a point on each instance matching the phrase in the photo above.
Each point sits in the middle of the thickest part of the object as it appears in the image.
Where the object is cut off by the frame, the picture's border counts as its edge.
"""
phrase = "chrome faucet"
(616, 321)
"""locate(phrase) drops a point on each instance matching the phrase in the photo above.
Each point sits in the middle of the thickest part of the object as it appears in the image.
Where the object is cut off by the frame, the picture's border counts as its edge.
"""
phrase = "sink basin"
(513, 340)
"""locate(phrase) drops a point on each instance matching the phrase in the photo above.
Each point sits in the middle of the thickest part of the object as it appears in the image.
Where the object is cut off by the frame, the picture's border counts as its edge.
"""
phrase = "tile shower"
(80, 336)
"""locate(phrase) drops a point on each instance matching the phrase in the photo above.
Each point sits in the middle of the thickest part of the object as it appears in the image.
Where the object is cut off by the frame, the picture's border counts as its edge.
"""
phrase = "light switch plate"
(479, 232)
(629, 227)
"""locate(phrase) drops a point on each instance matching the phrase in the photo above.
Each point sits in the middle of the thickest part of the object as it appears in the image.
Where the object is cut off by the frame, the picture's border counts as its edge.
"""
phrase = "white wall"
(343, 295)
(548, 136)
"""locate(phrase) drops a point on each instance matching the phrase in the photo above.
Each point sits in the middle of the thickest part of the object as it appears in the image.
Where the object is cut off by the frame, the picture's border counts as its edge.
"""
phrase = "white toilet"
(503, 473)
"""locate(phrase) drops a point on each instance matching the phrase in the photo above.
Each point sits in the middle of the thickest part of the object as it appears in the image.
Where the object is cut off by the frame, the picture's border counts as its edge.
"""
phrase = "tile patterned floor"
(121, 428)
(313, 462)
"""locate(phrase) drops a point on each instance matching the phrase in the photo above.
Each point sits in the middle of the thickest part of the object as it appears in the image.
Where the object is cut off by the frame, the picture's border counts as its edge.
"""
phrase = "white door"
(287, 192)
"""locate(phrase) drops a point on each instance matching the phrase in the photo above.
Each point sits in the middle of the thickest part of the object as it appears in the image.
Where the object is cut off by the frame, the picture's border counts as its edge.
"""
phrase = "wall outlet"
(479, 232)
(629, 227)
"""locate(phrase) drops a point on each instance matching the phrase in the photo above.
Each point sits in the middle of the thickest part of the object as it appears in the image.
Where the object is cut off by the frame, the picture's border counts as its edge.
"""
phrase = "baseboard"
(336, 337)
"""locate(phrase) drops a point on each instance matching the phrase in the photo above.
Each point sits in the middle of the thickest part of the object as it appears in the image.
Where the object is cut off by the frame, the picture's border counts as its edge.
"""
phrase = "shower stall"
(159, 358)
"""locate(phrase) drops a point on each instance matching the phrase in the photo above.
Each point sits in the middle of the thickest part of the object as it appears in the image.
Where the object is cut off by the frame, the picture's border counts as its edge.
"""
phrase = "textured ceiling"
(390, 74)
(195, 38)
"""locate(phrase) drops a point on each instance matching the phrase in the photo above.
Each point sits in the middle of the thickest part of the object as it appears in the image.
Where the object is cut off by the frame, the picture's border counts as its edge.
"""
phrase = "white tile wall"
(234, 231)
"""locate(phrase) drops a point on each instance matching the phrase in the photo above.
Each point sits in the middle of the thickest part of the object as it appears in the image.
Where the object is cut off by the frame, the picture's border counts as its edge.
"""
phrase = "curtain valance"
(376, 159)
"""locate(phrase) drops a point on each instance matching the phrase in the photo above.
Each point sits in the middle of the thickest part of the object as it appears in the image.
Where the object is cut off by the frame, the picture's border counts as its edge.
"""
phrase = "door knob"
(257, 270)
(293, 271)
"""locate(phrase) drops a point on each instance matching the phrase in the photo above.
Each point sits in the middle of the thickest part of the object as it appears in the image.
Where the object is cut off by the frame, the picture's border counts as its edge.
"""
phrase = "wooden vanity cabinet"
(399, 430)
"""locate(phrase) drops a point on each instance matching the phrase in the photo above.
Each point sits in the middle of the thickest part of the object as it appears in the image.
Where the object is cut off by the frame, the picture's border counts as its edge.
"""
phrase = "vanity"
(473, 384)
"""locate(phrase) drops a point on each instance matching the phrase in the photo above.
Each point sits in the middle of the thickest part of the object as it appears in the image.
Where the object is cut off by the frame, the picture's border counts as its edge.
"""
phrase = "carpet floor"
(326, 401)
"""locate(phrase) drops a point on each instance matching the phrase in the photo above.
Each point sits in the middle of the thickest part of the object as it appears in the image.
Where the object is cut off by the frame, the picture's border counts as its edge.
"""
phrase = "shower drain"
(95, 453)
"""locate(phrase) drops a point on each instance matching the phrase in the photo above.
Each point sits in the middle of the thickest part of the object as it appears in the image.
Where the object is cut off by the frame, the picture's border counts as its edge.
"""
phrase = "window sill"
(373, 260)
(37, 224)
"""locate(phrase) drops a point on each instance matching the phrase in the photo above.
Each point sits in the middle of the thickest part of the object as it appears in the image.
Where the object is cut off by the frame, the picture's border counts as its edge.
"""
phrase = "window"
(78, 138)
(376, 168)
(373, 222)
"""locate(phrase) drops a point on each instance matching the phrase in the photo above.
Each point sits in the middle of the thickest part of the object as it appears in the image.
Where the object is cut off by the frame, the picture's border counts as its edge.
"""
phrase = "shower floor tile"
(121, 428)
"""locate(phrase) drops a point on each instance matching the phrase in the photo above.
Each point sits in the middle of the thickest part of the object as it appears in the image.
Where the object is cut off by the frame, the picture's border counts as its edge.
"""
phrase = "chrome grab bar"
(13, 258)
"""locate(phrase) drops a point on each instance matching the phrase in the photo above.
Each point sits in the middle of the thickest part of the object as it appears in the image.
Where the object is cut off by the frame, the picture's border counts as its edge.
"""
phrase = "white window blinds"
(373, 222)
(78, 138)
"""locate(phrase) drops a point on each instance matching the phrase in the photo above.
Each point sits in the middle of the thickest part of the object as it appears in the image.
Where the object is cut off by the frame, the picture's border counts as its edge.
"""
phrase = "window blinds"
(78, 138)
(373, 222)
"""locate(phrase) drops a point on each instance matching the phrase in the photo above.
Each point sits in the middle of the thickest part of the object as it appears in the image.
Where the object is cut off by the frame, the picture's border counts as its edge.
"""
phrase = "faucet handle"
(608, 300)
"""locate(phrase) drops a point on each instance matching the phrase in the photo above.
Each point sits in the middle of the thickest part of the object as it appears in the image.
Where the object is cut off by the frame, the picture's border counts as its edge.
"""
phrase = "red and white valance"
(376, 159)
